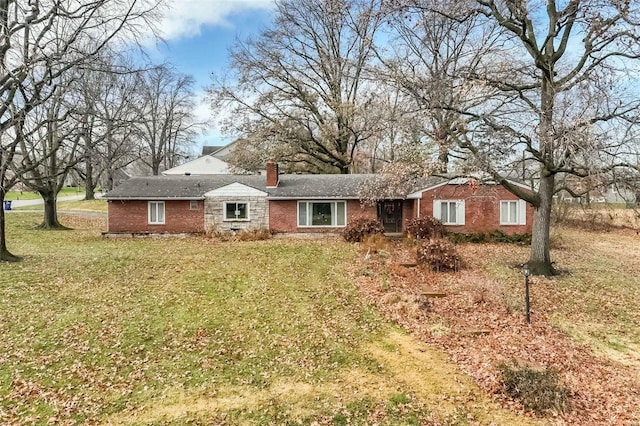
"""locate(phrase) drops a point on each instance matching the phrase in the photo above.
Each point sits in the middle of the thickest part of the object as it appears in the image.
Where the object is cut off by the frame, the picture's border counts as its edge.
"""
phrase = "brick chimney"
(272, 174)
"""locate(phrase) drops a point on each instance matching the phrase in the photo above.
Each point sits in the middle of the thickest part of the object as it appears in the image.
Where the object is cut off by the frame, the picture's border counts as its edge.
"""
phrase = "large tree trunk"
(50, 211)
(5, 256)
(540, 260)
(89, 183)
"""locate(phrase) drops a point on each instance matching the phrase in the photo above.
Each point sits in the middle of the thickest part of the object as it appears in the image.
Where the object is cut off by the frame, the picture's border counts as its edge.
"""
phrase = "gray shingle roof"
(290, 186)
(179, 187)
(194, 187)
(318, 186)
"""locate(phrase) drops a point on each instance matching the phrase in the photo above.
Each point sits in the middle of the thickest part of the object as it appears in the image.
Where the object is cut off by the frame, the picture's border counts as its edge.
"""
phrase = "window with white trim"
(193, 205)
(450, 212)
(155, 212)
(322, 213)
(236, 210)
(513, 212)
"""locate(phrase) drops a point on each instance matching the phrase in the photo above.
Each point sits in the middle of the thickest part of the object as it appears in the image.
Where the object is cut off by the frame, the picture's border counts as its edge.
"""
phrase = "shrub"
(358, 229)
(257, 234)
(375, 242)
(217, 234)
(439, 254)
(425, 227)
(538, 390)
(492, 237)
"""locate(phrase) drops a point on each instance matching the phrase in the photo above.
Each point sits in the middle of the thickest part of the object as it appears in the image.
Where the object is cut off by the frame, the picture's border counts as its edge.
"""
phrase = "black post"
(526, 292)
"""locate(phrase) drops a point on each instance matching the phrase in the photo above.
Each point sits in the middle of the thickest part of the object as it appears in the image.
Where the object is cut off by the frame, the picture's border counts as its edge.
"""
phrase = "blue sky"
(198, 34)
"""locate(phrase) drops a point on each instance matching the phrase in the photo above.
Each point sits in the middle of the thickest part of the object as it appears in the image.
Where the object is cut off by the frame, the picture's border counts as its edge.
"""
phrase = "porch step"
(394, 235)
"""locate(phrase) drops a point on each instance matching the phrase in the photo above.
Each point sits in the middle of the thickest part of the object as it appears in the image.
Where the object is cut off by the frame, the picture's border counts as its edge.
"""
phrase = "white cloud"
(185, 18)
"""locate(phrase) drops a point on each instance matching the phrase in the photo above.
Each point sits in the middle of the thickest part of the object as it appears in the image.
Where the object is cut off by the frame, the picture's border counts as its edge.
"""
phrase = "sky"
(197, 35)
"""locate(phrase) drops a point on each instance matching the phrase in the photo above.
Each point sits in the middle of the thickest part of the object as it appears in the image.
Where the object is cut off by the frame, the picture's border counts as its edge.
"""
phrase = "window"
(193, 205)
(236, 211)
(156, 212)
(450, 212)
(322, 213)
(513, 212)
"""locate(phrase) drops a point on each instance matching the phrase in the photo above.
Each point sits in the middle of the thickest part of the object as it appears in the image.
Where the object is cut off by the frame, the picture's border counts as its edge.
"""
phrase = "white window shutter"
(460, 212)
(522, 212)
(436, 210)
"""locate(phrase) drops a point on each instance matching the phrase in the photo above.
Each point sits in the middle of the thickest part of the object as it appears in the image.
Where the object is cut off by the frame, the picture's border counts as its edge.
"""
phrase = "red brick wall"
(482, 208)
(132, 216)
(283, 216)
(408, 211)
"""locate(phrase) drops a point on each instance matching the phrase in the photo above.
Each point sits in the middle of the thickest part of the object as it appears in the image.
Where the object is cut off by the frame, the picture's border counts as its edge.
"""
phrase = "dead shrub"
(360, 228)
(557, 240)
(562, 212)
(538, 390)
(375, 243)
(404, 305)
(257, 234)
(217, 234)
(479, 295)
(399, 270)
(439, 254)
(425, 227)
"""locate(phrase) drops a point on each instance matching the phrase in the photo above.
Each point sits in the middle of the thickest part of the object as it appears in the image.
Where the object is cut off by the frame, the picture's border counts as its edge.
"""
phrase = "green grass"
(99, 205)
(171, 331)
(30, 195)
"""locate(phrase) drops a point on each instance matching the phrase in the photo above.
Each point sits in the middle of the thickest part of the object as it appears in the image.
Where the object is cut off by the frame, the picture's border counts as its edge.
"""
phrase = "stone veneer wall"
(214, 214)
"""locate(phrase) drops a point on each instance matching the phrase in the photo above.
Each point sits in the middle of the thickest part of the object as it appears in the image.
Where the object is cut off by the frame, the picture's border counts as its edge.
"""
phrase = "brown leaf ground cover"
(585, 323)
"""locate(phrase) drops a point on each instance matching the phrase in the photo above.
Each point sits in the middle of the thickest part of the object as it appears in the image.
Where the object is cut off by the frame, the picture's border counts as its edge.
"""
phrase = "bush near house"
(425, 227)
(491, 237)
(439, 254)
(360, 228)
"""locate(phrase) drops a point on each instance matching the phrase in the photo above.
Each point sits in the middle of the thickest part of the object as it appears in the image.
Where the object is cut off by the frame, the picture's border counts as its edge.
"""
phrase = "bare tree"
(560, 87)
(107, 117)
(48, 148)
(166, 124)
(400, 126)
(300, 86)
(430, 50)
(40, 41)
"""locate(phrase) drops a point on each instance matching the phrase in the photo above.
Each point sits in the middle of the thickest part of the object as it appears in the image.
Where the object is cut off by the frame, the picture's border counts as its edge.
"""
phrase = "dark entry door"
(390, 214)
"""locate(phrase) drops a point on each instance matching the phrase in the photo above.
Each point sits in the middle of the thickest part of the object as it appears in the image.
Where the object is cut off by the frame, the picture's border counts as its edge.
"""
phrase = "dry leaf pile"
(480, 323)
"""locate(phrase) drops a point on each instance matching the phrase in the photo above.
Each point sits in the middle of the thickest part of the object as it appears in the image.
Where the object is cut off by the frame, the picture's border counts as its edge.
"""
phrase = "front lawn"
(171, 331)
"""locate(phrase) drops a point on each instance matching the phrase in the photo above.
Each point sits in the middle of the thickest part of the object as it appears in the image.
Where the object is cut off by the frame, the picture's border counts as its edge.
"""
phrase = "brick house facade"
(132, 216)
(482, 208)
(304, 204)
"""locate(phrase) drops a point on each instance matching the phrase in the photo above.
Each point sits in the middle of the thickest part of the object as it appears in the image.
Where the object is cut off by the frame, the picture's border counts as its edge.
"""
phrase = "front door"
(390, 214)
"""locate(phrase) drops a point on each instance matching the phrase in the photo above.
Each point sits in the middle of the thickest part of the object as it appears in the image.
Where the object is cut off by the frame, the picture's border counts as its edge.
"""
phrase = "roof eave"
(313, 197)
(149, 198)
